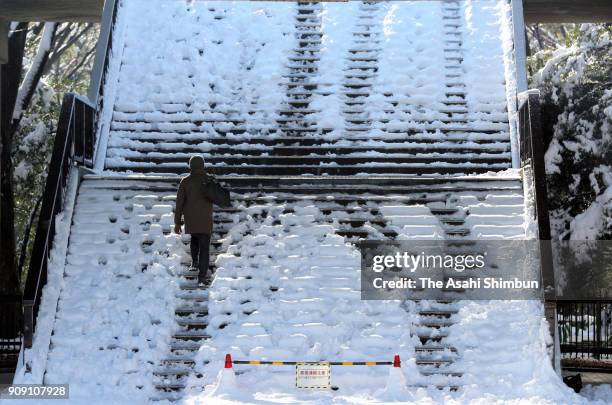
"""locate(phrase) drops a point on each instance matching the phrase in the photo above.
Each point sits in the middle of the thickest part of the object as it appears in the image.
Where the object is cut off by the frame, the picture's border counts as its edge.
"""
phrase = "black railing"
(532, 155)
(585, 333)
(11, 327)
(74, 143)
(103, 53)
(82, 127)
(531, 150)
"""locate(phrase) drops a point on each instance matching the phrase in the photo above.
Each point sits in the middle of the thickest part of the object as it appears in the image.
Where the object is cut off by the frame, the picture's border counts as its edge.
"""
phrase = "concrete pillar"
(520, 52)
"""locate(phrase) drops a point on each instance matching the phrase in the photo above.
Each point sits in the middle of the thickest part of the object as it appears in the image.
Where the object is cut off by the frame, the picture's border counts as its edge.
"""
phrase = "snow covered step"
(434, 362)
(379, 168)
(186, 360)
(431, 335)
(193, 275)
(191, 321)
(160, 142)
(192, 295)
(472, 192)
(439, 372)
(189, 285)
(397, 158)
(189, 335)
(435, 323)
(434, 348)
(169, 372)
(200, 310)
(186, 345)
(438, 312)
(438, 386)
(183, 150)
(192, 298)
(174, 386)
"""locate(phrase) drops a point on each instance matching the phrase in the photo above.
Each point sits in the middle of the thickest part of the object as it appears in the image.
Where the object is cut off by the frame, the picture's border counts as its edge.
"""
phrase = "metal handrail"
(531, 153)
(74, 144)
(532, 156)
(103, 50)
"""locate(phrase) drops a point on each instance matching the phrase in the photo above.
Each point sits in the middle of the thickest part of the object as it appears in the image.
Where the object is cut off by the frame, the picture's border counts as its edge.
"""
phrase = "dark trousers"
(200, 252)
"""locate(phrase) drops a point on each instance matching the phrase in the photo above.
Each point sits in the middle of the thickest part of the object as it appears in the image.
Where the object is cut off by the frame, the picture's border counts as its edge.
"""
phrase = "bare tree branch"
(34, 74)
(60, 48)
(86, 58)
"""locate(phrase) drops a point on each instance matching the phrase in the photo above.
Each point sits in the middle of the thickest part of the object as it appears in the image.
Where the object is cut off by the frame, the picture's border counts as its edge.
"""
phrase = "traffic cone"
(395, 388)
(226, 379)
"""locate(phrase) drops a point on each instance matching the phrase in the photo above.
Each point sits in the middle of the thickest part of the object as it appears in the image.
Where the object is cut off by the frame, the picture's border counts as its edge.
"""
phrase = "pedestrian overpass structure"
(331, 123)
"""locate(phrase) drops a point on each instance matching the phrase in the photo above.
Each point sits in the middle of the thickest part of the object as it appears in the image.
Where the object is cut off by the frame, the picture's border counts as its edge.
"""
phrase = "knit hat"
(196, 162)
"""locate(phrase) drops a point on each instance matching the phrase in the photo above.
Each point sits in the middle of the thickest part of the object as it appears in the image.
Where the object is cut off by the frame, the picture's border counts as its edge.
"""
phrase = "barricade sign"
(313, 375)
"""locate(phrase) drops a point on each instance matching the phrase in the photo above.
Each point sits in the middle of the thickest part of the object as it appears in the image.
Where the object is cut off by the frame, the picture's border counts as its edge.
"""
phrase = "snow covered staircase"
(361, 68)
(121, 246)
(191, 316)
(435, 357)
(330, 123)
(371, 88)
(295, 114)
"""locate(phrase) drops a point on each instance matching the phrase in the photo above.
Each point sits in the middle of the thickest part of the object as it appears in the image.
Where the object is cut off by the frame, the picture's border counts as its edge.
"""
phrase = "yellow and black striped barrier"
(331, 363)
(395, 363)
(305, 375)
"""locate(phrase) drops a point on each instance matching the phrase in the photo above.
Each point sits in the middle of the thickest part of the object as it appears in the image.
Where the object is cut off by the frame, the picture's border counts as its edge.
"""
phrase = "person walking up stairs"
(194, 201)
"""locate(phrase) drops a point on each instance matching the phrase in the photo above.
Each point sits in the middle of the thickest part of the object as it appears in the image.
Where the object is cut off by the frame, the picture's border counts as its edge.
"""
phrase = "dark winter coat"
(190, 203)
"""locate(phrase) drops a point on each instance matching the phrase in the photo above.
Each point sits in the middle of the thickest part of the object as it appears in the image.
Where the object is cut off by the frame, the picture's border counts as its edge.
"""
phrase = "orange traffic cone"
(396, 361)
(228, 361)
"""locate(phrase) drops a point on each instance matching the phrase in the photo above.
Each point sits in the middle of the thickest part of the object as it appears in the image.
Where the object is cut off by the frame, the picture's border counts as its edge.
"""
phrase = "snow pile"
(411, 66)
(338, 23)
(225, 385)
(208, 53)
(483, 61)
(208, 63)
(601, 393)
(395, 389)
(503, 346)
(596, 219)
